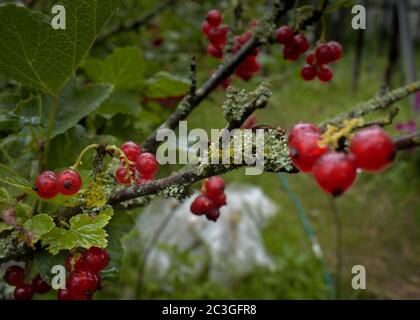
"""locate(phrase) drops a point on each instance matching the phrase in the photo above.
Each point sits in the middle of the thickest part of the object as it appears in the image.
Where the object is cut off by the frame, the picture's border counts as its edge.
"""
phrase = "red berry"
(217, 36)
(214, 17)
(324, 54)
(23, 292)
(305, 150)
(64, 294)
(69, 262)
(213, 215)
(147, 165)
(310, 59)
(325, 74)
(285, 36)
(373, 149)
(46, 185)
(122, 176)
(39, 285)
(291, 53)
(308, 72)
(243, 73)
(131, 150)
(202, 205)
(82, 282)
(205, 27)
(68, 182)
(337, 50)
(335, 172)
(220, 200)
(214, 51)
(14, 276)
(302, 128)
(302, 43)
(94, 259)
(214, 186)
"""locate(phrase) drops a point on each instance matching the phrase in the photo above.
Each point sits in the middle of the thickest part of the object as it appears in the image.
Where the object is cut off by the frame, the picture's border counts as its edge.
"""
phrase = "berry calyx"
(373, 149)
(82, 282)
(335, 172)
(301, 128)
(39, 285)
(202, 205)
(305, 149)
(131, 149)
(94, 259)
(308, 72)
(14, 276)
(325, 74)
(214, 17)
(214, 187)
(123, 176)
(213, 215)
(285, 36)
(46, 185)
(147, 165)
(324, 54)
(68, 182)
(23, 292)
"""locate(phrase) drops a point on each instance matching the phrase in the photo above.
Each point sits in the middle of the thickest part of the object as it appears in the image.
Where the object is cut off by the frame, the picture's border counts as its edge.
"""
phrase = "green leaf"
(123, 102)
(85, 231)
(8, 102)
(38, 225)
(164, 84)
(119, 226)
(74, 104)
(44, 261)
(23, 212)
(124, 68)
(12, 123)
(37, 55)
(5, 226)
(5, 197)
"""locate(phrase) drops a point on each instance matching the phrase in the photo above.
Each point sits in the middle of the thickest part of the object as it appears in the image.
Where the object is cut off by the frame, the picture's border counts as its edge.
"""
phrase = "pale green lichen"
(179, 192)
(238, 101)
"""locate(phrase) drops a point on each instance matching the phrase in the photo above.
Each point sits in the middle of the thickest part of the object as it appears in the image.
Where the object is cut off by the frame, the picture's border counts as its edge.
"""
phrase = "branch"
(407, 142)
(378, 103)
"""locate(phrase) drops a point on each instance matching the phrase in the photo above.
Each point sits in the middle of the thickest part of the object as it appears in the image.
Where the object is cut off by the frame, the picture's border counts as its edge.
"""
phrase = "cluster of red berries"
(217, 35)
(48, 184)
(213, 197)
(317, 62)
(143, 165)
(15, 276)
(294, 45)
(371, 149)
(84, 278)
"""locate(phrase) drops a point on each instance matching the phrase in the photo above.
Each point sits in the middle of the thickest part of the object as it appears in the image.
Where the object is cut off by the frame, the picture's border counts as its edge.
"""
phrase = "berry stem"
(51, 122)
(79, 158)
(339, 246)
